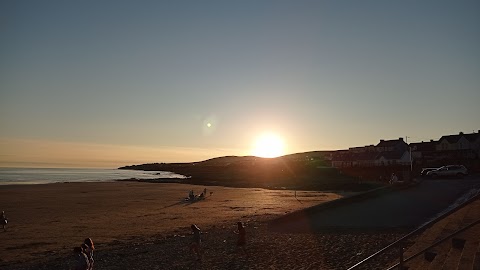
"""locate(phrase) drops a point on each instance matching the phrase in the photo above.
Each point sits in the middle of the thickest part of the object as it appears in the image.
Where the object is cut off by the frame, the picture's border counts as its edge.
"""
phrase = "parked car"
(449, 171)
(425, 171)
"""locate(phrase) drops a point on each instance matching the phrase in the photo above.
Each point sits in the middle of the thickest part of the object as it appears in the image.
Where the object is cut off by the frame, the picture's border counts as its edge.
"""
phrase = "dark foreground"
(266, 250)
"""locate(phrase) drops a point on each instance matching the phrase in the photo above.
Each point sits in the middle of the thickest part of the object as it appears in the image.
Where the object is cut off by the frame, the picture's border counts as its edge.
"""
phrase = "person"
(393, 179)
(84, 248)
(241, 240)
(81, 260)
(89, 251)
(196, 241)
(4, 221)
(205, 192)
(191, 196)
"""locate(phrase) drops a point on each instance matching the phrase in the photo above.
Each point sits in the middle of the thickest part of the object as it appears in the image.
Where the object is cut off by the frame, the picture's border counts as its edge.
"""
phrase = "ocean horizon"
(34, 176)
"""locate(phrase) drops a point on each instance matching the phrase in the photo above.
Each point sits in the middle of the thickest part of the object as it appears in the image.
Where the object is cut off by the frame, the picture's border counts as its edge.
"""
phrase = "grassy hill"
(306, 171)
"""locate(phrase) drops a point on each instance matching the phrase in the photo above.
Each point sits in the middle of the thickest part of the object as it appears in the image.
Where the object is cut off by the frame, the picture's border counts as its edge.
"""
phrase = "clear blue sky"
(110, 83)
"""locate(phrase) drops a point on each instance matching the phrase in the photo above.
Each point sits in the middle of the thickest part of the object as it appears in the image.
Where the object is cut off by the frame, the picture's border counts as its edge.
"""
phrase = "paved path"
(405, 208)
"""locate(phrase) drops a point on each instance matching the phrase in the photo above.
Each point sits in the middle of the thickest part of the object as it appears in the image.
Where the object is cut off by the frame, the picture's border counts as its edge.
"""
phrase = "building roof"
(390, 143)
(451, 138)
(455, 138)
(340, 155)
(471, 137)
(424, 146)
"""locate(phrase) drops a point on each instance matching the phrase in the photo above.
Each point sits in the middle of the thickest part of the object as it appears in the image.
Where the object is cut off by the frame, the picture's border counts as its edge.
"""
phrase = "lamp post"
(410, 152)
(411, 160)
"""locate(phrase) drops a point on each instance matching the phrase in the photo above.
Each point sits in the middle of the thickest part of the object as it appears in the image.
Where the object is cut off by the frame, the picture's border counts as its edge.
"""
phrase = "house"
(393, 158)
(459, 146)
(474, 141)
(341, 158)
(391, 145)
(396, 152)
(453, 142)
(362, 149)
(423, 149)
(365, 159)
(386, 152)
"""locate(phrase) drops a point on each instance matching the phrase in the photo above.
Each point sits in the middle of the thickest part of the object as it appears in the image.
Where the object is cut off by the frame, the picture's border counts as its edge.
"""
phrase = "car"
(448, 171)
(425, 171)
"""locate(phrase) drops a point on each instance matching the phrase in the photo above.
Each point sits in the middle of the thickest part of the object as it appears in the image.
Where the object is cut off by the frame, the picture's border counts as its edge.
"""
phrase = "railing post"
(400, 264)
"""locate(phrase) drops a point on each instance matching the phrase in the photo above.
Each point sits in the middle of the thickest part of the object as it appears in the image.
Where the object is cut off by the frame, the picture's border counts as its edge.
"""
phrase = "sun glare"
(269, 146)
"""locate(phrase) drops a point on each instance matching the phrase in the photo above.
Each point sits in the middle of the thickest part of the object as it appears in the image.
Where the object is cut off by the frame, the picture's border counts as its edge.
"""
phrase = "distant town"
(461, 147)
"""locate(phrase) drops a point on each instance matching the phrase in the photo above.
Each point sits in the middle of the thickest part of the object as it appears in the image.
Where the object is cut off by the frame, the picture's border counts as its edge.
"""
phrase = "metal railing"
(435, 244)
(418, 230)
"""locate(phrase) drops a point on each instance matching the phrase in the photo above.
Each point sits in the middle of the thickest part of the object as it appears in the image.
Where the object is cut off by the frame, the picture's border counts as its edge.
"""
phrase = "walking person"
(4, 221)
(393, 179)
(81, 260)
(241, 240)
(196, 242)
(89, 251)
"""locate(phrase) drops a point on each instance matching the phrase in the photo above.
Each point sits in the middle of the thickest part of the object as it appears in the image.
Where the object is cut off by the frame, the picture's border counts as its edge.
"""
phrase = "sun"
(269, 146)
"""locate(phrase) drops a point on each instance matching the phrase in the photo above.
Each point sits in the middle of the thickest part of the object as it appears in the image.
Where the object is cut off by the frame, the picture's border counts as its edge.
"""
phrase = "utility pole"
(410, 151)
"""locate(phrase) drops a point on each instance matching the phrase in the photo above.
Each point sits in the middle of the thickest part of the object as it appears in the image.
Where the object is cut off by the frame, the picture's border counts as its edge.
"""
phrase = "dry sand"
(146, 226)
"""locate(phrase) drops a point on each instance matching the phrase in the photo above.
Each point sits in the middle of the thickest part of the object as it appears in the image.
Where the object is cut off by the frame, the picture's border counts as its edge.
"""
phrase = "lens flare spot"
(209, 125)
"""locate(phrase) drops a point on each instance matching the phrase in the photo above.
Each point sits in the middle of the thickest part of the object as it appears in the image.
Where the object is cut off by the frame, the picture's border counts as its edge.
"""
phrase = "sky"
(113, 83)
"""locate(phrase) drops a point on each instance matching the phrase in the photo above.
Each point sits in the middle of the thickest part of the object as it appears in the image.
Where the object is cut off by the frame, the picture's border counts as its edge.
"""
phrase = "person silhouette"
(196, 241)
(393, 179)
(81, 260)
(4, 221)
(241, 240)
(89, 251)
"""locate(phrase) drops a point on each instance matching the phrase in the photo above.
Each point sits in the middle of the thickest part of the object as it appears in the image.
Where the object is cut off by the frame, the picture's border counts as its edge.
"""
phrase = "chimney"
(461, 133)
(400, 139)
(382, 140)
(431, 140)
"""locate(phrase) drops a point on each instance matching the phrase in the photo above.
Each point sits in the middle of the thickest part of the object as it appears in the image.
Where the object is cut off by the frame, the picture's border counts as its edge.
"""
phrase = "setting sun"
(269, 146)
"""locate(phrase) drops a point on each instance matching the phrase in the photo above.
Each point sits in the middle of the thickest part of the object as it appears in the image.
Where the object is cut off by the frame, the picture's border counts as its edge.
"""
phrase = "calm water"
(15, 176)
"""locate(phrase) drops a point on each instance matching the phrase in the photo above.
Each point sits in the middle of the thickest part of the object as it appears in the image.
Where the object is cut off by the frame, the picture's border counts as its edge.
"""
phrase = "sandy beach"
(146, 226)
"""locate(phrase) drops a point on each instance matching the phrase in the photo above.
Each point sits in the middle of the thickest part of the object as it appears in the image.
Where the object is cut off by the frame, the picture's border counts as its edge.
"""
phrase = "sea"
(29, 176)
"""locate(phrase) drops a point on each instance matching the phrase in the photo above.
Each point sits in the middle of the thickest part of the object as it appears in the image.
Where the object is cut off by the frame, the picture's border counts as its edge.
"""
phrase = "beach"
(147, 226)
